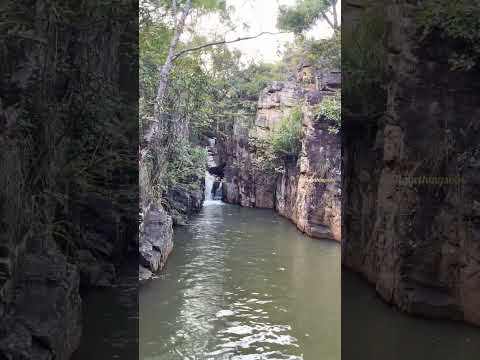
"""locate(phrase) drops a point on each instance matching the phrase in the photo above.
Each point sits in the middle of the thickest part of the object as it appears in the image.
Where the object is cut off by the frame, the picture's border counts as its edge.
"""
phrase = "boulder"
(44, 320)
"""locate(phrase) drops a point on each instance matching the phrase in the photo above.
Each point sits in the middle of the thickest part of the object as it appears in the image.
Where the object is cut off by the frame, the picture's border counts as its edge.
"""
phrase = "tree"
(162, 22)
(179, 10)
(363, 63)
(457, 25)
(178, 25)
(305, 14)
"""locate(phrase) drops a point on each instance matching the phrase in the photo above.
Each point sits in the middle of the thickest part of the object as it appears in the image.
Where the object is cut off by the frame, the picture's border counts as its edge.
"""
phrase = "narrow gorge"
(249, 213)
(304, 187)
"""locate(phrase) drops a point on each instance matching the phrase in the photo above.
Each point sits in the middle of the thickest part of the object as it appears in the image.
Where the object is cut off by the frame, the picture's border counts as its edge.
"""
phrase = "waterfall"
(217, 190)
(209, 180)
(213, 185)
(213, 190)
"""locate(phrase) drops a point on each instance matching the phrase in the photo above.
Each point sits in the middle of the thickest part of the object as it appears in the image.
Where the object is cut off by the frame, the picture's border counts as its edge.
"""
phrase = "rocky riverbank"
(306, 189)
(156, 227)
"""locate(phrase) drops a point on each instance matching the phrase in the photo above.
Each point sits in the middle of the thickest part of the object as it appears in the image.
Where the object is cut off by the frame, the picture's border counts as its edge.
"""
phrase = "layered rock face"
(155, 241)
(242, 184)
(307, 190)
(156, 227)
(411, 207)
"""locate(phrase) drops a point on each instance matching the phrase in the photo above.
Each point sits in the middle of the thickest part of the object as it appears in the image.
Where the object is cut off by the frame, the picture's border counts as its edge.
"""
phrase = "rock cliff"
(306, 188)
(156, 227)
(411, 205)
(156, 243)
(309, 191)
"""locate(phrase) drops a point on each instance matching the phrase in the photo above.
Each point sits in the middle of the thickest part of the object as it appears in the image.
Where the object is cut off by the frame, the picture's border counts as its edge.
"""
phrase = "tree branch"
(335, 15)
(328, 20)
(174, 13)
(223, 42)
(167, 67)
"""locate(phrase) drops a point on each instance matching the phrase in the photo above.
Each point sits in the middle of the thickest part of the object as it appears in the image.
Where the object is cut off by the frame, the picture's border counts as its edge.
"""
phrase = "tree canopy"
(306, 13)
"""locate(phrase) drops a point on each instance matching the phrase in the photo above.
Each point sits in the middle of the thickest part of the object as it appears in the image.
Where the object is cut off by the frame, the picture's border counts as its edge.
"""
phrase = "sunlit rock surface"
(155, 241)
(308, 191)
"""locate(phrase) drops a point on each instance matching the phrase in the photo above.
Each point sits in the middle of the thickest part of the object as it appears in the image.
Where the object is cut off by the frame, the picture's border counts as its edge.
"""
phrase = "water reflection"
(372, 330)
(110, 318)
(243, 284)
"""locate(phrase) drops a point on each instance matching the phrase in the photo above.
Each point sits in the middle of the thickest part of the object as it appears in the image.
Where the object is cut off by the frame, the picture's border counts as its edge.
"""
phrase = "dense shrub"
(187, 166)
(286, 137)
(458, 21)
(330, 109)
(363, 63)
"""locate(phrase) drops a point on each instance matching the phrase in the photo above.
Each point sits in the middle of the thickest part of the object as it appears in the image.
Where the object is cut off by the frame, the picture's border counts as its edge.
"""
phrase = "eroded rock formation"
(156, 227)
(155, 242)
(307, 189)
(411, 206)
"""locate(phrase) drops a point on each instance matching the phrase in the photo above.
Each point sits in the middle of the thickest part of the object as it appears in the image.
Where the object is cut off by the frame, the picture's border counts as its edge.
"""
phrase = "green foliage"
(187, 166)
(209, 88)
(238, 88)
(205, 5)
(193, 100)
(209, 5)
(330, 109)
(265, 160)
(286, 137)
(458, 21)
(253, 79)
(324, 54)
(283, 142)
(363, 66)
(57, 156)
(153, 42)
(190, 97)
(303, 15)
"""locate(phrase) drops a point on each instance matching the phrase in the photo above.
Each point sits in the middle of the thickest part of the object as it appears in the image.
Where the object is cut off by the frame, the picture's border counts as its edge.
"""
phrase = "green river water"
(243, 284)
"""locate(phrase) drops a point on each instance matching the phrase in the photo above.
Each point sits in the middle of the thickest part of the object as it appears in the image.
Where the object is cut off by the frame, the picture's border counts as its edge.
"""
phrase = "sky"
(260, 15)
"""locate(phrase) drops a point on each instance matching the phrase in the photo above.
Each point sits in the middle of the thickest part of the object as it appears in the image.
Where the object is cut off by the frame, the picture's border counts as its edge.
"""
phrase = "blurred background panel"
(68, 176)
(410, 275)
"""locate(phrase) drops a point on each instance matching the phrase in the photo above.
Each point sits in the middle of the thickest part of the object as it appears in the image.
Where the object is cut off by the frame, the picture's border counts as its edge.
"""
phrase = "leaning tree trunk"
(335, 15)
(153, 130)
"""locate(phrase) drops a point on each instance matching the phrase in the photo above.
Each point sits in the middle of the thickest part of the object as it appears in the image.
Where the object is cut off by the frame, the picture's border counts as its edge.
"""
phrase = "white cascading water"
(209, 180)
(210, 197)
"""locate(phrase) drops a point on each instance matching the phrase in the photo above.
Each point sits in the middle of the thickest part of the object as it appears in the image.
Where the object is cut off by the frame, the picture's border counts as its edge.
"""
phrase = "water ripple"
(224, 295)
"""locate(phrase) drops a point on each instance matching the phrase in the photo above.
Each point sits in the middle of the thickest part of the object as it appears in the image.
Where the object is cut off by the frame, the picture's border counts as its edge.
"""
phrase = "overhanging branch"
(223, 42)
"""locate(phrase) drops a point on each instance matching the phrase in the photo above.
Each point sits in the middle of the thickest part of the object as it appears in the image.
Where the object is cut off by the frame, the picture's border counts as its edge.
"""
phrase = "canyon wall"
(305, 188)
(411, 205)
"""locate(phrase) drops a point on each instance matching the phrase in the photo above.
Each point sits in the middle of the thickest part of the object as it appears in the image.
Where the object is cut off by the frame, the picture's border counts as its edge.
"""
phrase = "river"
(373, 330)
(110, 319)
(243, 284)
